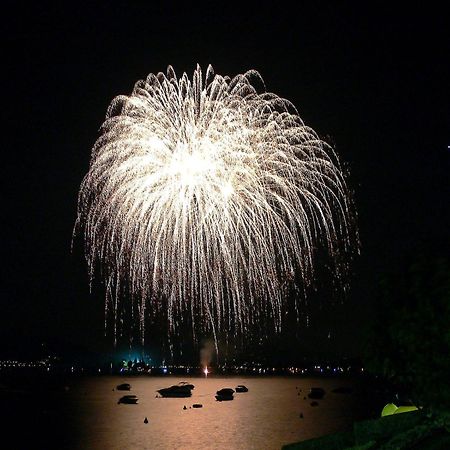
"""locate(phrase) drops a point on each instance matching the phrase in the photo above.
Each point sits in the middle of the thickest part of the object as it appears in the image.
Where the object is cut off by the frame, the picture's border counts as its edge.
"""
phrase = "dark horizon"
(374, 83)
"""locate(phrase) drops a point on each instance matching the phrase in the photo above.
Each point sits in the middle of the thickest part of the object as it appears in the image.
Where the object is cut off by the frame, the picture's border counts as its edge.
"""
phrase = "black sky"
(373, 81)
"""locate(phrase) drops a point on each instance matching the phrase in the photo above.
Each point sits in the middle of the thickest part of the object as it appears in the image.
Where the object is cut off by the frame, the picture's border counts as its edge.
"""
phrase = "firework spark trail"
(204, 196)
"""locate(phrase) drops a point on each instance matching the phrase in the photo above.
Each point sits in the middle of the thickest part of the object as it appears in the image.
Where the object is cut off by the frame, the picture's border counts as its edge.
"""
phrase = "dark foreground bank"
(413, 430)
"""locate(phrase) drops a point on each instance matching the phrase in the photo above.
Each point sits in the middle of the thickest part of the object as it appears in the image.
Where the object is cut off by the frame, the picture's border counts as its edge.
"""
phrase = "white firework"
(205, 198)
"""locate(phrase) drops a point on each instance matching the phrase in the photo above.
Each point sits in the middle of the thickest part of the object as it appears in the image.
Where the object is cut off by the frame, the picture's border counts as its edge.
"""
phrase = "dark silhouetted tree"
(410, 340)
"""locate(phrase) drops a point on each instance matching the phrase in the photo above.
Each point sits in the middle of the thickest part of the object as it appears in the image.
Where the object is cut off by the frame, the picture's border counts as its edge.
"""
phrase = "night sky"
(375, 83)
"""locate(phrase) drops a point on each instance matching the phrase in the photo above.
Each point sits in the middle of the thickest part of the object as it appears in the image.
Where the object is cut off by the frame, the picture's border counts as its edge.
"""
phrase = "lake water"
(85, 414)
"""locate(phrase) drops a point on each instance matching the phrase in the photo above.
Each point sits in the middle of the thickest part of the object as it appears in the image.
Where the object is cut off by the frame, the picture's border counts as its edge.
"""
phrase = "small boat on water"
(123, 387)
(225, 394)
(182, 389)
(128, 399)
(241, 388)
(316, 393)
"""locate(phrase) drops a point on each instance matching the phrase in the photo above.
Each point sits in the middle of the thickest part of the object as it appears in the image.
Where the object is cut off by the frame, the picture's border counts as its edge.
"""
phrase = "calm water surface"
(266, 417)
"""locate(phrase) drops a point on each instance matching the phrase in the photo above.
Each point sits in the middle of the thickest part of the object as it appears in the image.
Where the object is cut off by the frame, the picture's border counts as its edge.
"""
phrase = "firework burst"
(206, 198)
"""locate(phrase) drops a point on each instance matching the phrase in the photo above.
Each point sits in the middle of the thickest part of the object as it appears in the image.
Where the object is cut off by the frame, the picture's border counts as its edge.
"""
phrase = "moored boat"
(225, 394)
(182, 389)
(128, 399)
(316, 393)
(241, 388)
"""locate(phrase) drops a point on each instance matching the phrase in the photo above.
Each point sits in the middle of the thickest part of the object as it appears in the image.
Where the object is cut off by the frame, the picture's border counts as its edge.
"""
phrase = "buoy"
(146, 420)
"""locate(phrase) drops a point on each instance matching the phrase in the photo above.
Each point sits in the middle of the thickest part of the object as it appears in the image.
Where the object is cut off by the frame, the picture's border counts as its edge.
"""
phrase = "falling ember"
(205, 371)
(205, 198)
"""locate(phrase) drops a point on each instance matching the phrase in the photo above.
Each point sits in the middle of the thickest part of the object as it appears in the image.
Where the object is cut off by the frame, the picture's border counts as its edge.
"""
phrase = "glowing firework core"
(206, 197)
